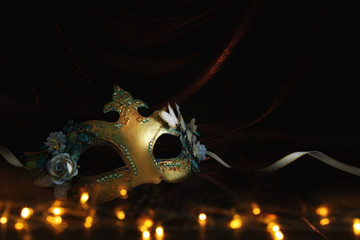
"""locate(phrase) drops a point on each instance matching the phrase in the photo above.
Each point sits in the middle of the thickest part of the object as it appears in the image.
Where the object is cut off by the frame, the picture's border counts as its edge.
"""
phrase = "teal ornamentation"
(122, 99)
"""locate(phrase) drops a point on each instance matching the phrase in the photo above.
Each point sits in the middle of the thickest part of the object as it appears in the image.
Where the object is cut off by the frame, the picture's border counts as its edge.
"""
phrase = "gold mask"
(133, 137)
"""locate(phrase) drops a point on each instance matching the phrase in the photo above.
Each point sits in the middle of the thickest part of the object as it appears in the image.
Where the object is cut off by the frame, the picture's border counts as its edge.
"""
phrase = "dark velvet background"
(262, 78)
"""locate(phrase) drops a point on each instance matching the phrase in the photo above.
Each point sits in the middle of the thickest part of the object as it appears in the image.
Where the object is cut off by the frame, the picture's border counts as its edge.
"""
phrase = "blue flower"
(199, 151)
(56, 143)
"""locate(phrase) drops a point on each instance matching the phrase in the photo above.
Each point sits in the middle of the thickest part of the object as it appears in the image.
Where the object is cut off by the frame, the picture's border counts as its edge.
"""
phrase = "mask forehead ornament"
(133, 136)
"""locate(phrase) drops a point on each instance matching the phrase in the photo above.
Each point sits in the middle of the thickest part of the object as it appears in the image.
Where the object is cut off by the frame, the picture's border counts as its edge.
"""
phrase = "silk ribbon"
(316, 154)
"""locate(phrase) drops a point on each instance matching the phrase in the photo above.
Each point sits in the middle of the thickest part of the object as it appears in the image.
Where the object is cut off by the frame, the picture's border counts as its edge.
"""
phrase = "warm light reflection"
(84, 197)
(146, 235)
(322, 211)
(324, 221)
(120, 214)
(356, 226)
(19, 226)
(26, 213)
(236, 223)
(3, 220)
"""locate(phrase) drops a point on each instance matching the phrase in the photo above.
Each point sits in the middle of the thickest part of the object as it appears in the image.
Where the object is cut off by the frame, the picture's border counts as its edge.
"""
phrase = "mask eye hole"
(145, 112)
(99, 159)
(167, 146)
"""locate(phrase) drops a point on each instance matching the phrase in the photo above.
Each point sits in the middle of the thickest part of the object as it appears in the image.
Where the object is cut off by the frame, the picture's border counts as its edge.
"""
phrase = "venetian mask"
(133, 136)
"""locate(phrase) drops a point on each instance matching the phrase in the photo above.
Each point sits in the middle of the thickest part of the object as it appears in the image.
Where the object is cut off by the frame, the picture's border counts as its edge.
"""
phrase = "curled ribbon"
(316, 154)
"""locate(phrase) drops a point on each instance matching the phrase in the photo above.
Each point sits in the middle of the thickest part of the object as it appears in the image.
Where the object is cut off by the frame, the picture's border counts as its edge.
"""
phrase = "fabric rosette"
(62, 168)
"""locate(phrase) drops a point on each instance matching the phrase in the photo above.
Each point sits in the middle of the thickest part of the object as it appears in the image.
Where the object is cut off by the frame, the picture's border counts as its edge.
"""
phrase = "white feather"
(172, 114)
(168, 119)
(180, 119)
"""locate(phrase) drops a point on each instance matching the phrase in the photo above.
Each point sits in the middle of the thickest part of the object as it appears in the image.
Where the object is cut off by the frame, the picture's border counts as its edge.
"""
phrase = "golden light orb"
(3, 220)
(202, 216)
(146, 235)
(120, 215)
(159, 231)
(322, 211)
(324, 221)
(84, 197)
(26, 212)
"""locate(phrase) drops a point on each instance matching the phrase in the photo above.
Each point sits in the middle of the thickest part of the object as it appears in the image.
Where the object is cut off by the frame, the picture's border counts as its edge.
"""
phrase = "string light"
(356, 226)
(202, 219)
(148, 223)
(324, 221)
(236, 222)
(123, 193)
(26, 213)
(159, 232)
(279, 235)
(274, 229)
(144, 223)
(3, 220)
(142, 228)
(84, 197)
(270, 226)
(120, 214)
(146, 235)
(52, 216)
(255, 209)
(57, 211)
(322, 211)
(19, 226)
(88, 222)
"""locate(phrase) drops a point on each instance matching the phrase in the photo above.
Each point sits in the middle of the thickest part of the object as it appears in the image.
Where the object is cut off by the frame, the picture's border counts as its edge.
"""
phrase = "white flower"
(199, 150)
(169, 117)
(56, 143)
(62, 168)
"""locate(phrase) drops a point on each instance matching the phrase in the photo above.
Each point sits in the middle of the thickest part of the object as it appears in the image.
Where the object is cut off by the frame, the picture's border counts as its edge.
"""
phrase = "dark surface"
(288, 83)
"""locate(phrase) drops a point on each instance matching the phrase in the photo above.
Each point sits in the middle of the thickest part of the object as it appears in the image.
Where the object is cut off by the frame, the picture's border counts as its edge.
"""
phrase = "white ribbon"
(10, 157)
(316, 154)
(217, 158)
